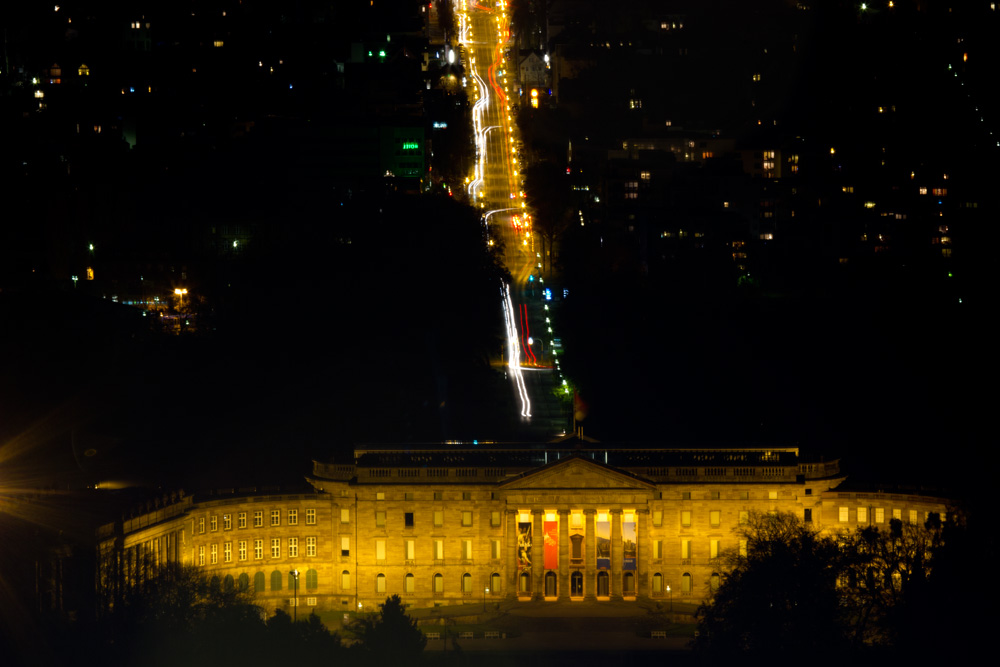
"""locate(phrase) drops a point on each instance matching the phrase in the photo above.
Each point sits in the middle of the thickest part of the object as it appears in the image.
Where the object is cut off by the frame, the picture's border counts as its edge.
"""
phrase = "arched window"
(495, 584)
(380, 583)
(345, 580)
(603, 584)
(524, 583)
(228, 584)
(628, 584)
(244, 582)
(276, 581)
(714, 581)
(214, 583)
(258, 582)
(576, 584)
(312, 580)
(685, 583)
(657, 584)
(410, 584)
(466, 583)
(551, 585)
(438, 583)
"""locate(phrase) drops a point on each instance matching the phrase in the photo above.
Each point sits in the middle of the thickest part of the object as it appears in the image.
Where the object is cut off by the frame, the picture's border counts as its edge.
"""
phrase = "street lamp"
(486, 591)
(295, 595)
(670, 595)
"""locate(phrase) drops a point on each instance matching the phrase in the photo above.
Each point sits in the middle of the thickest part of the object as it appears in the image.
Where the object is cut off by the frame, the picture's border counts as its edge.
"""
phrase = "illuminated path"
(495, 187)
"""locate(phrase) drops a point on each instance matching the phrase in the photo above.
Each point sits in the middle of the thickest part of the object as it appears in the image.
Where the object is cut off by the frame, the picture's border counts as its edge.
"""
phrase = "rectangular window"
(345, 515)
(408, 519)
(241, 520)
(275, 547)
(466, 495)
(438, 549)
(213, 523)
(380, 519)
(379, 549)
(293, 547)
(258, 549)
(380, 495)
(744, 495)
(227, 522)
(467, 549)
(862, 515)
(715, 495)
(345, 546)
(807, 515)
(408, 588)
(407, 496)
(201, 555)
(913, 516)
(879, 515)
(713, 550)
(345, 580)
(772, 495)
(311, 601)
(897, 514)
(438, 495)
(495, 549)
(686, 518)
(201, 524)
(495, 519)
(310, 517)
(844, 515)
(685, 495)
(743, 548)
(466, 518)
(213, 556)
(438, 518)
(744, 517)
(275, 517)
(410, 549)
(258, 519)
(293, 517)
(227, 552)
(715, 518)
(243, 549)
(657, 518)
(576, 520)
(657, 549)
(310, 546)
(685, 549)
(380, 583)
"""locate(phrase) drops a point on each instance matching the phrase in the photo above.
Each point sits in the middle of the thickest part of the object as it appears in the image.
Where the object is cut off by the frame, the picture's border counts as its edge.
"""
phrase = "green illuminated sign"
(410, 145)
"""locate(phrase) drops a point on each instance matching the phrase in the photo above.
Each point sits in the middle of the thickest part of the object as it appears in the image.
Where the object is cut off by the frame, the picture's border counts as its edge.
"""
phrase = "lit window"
(715, 518)
(713, 551)
(772, 495)
(243, 550)
(438, 517)
(275, 547)
(657, 518)
(345, 546)
(201, 524)
(241, 520)
(379, 549)
(897, 514)
(879, 515)
(227, 522)
(467, 549)
(495, 519)
(495, 549)
(862, 514)
(923, 191)
(293, 547)
(410, 583)
(380, 495)
(913, 516)
(466, 518)
(258, 549)
(685, 549)
(310, 546)
(657, 549)
(380, 583)
(213, 523)
(685, 583)
(686, 518)
(227, 552)
(345, 515)
(844, 514)
(258, 519)
(218, 43)
(214, 554)
(293, 517)
(438, 583)
(310, 517)
(345, 580)
(201, 555)
(275, 517)
(409, 547)
(438, 549)
(466, 583)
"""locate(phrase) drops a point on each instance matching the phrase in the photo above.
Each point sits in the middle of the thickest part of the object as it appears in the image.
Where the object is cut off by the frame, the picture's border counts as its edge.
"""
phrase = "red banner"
(551, 530)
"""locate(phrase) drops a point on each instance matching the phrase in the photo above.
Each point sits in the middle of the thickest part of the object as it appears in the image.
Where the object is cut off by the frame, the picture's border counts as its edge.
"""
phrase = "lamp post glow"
(486, 591)
(671, 599)
(295, 595)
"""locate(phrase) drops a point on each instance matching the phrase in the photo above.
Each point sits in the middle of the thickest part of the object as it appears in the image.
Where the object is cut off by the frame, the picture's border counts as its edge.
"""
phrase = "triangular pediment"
(577, 473)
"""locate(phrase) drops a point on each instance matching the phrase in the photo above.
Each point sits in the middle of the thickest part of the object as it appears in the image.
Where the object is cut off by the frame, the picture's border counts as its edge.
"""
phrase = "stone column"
(537, 555)
(644, 554)
(589, 555)
(563, 554)
(617, 553)
(510, 553)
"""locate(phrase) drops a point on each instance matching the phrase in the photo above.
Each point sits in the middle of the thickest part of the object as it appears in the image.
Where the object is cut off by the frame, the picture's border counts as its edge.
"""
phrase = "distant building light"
(218, 43)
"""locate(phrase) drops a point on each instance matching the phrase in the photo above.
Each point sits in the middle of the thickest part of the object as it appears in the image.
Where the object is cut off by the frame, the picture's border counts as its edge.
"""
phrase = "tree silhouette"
(389, 637)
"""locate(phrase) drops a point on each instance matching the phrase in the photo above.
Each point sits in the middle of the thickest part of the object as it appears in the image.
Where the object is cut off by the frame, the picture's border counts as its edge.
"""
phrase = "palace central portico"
(459, 523)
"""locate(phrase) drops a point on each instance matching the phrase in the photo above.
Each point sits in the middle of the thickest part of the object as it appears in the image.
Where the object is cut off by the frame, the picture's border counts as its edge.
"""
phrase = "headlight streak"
(514, 353)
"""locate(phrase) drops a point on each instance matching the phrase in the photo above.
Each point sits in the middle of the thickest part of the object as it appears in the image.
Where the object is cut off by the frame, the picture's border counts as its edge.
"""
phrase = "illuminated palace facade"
(452, 524)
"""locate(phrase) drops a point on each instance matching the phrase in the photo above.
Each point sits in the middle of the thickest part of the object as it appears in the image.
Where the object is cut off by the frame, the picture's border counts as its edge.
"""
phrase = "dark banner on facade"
(603, 545)
(629, 549)
(523, 545)
(551, 529)
(576, 543)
